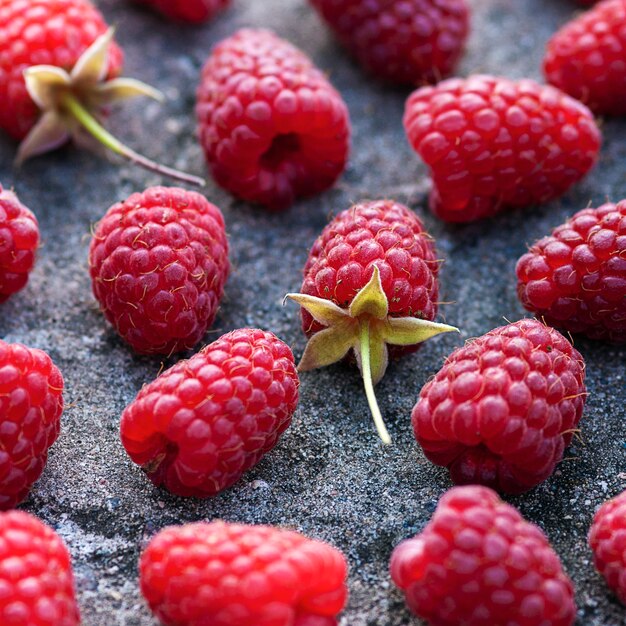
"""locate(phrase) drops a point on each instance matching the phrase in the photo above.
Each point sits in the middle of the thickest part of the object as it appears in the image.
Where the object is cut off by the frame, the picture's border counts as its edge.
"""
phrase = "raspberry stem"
(366, 370)
(94, 128)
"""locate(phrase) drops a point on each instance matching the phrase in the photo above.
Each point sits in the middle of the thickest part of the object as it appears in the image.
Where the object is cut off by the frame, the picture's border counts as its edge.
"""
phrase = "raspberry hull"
(576, 278)
(607, 537)
(193, 11)
(272, 127)
(204, 422)
(31, 403)
(478, 563)
(19, 240)
(503, 408)
(586, 58)
(36, 576)
(51, 32)
(158, 264)
(492, 144)
(406, 42)
(249, 575)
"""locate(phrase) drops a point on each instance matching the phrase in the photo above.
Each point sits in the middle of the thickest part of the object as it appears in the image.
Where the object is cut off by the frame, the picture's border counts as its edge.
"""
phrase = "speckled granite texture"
(329, 477)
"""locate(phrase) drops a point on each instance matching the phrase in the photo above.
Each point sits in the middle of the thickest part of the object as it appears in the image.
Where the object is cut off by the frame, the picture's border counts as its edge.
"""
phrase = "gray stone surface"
(329, 476)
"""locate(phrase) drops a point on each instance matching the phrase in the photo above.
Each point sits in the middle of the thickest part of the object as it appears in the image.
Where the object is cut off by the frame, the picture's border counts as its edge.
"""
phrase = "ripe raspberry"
(36, 32)
(272, 127)
(247, 576)
(607, 539)
(194, 11)
(31, 403)
(479, 562)
(36, 576)
(401, 41)
(204, 422)
(586, 58)
(576, 278)
(19, 240)
(492, 143)
(370, 280)
(503, 408)
(158, 264)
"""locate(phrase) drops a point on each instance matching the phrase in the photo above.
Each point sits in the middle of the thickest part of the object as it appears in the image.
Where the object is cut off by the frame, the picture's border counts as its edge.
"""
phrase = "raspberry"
(503, 408)
(31, 403)
(36, 576)
(607, 538)
(586, 58)
(194, 11)
(247, 576)
(576, 278)
(204, 422)
(370, 280)
(19, 240)
(272, 127)
(158, 264)
(50, 32)
(479, 562)
(401, 41)
(492, 143)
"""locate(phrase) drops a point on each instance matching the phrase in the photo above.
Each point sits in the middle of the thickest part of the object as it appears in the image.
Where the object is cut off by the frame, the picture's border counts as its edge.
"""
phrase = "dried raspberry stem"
(366, 370)
(94, 128)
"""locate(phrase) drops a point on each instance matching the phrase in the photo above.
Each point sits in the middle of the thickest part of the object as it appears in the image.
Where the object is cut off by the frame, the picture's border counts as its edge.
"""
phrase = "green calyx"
(366, 328)
(70, 103)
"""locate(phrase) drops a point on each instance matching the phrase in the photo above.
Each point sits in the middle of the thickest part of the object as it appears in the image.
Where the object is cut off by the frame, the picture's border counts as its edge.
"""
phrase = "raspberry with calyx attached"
(272, 127)
(158, 264)
(478, 562)
(204, 422)
(576, 278)
(503, 408)
(492, 143)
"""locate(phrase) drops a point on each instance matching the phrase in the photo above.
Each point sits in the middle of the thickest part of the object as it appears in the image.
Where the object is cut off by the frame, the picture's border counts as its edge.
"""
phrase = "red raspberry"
(479, 562)
(607, 539)
(36, 579)
(503, 408)
(401, 41)
(370, 280)
(204, 422)
(222, 574)
(492, 143)
(31, 403)
(272, 127)
(158, 264)
(49, 32)
(576, 278)
(19, 240)
(194, 11)
(586, 58)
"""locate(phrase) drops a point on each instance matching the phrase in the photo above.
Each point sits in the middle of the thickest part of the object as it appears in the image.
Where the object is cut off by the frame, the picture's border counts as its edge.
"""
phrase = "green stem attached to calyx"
(366, 328)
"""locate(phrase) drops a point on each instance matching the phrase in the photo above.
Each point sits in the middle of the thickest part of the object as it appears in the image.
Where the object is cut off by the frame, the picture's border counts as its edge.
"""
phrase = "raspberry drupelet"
(492, 143)
(478, 562)
(272, 127)
(31, 403)
(158, 263)
(205, 421)
(242, 575)
(576, 278)
(503, 408)
(401, 41)
(607, 538)
(371, 280)
(192, 11)
(585, 58)
(36, 575)
(19, 240)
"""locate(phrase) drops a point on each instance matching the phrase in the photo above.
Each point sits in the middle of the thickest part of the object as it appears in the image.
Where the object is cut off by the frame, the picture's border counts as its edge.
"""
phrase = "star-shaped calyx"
(366, 328)
(71, 103)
